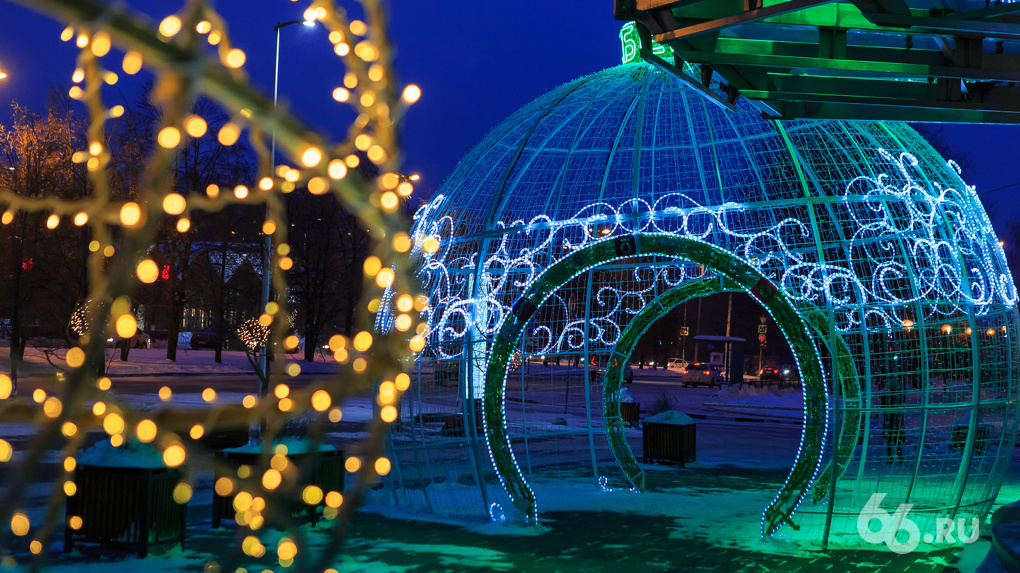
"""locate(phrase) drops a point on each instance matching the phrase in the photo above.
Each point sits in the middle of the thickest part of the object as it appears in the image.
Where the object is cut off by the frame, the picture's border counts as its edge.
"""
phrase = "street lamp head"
(309, 23)
(2, 75)
(414, 177)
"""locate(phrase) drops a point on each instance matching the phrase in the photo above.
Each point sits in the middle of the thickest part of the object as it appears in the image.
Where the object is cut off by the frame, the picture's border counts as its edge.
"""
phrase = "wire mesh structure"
(611, 199)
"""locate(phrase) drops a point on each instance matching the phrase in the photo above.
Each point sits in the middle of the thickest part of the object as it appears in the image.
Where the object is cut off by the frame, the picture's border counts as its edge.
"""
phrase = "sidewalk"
(153, 362)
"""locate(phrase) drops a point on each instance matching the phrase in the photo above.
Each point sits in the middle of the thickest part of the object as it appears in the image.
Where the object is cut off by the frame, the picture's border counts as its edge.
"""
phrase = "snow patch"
(133, 454)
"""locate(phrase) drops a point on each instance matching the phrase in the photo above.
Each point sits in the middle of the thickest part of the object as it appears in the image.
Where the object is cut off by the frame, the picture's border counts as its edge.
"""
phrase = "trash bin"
(670, 436)
(125, 507)
(630, 413)
(327, 474)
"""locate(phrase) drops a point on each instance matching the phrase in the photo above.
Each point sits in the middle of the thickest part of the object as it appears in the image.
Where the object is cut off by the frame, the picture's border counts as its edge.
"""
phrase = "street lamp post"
(267, 247)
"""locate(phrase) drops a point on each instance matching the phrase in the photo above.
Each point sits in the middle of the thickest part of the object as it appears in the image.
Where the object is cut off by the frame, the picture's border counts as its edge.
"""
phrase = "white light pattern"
(909, 239)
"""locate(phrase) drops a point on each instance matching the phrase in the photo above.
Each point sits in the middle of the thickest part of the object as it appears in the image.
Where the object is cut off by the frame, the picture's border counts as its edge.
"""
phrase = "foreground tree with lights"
(192, 56)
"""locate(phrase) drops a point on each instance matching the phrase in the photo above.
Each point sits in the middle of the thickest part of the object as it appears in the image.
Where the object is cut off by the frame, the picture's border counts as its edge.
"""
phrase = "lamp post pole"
(267, 246)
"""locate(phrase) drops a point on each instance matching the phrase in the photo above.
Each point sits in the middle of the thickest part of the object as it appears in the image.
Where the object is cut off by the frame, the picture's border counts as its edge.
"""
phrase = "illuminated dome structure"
(601, 205)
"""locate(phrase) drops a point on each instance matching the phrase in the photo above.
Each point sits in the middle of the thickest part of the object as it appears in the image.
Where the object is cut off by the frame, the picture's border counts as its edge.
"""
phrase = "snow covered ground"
(704, 517)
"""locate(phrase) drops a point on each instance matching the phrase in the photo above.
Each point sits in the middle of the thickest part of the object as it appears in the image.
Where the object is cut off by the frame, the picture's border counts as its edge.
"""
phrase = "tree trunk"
(311, 343)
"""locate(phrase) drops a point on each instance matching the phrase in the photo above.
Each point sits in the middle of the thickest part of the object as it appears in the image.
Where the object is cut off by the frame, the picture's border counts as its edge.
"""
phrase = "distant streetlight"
(267, 247)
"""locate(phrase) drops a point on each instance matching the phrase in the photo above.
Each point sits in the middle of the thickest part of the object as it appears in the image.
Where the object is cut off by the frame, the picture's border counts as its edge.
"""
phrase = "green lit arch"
(743, 276)
(624, 347)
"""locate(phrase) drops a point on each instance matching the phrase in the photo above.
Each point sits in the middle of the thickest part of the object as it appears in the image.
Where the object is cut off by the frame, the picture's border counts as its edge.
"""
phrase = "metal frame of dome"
(883, 250)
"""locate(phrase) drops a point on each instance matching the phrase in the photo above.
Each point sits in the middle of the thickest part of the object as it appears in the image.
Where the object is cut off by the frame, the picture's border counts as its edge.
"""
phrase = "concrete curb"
(746, 419)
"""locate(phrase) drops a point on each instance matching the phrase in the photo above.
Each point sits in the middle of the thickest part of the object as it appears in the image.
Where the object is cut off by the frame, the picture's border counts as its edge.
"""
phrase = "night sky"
(476, 63)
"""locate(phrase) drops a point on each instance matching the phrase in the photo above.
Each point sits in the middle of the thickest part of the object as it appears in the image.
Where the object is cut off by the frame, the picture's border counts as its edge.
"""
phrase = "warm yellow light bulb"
(169, 137)
(126, 325)
(384, 278)
(235, 58)
(372, 265)
(75, 357)
(229, 134)
(195, 126)
(101, 44)
(363, 341)
(311, 157)
(130, 214)
(411, 93)
(174, 203)
(170, 26)
(337, 169)
(146, 431)
(317, 186)
(132, 63)
(174, 455)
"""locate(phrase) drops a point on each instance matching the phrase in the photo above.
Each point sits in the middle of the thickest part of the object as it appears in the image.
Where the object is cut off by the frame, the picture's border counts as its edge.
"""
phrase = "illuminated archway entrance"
(849, 430)
(734, 273)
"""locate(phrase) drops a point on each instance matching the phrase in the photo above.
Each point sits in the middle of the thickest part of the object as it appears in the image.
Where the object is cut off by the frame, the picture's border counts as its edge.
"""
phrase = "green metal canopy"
(925, 60)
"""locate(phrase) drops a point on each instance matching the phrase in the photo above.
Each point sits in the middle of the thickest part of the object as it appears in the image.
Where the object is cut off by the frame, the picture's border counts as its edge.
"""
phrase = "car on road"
(703, 374)
(784, 373)
(677, 364)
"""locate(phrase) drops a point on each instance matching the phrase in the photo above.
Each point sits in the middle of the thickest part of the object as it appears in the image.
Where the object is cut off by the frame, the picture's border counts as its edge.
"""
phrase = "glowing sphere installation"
(596, 208)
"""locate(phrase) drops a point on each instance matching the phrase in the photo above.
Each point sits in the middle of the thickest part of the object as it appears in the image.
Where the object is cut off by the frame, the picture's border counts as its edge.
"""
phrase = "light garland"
(961, 269)
(192, 55)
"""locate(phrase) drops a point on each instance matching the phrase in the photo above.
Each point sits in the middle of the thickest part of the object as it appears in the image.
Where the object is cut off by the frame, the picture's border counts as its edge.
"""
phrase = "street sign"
(684, 331)
(762, 329)
(761, 338)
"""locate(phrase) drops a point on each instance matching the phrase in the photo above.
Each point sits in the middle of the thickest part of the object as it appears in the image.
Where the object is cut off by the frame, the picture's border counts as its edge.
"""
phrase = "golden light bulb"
(101, 44)
(130, 214)
(132, 63)
(411, 93)
(235, 58)
(195, 126)
(174, 203)
(311, 157)
(169, 137)
(170, 26)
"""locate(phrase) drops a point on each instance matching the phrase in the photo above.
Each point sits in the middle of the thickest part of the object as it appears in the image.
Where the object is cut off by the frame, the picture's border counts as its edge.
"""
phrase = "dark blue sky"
(476, 62)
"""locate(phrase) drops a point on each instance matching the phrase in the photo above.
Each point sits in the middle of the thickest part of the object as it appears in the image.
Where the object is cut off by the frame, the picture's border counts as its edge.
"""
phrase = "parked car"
(677, 364)
(208, 338)
(702, 374)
